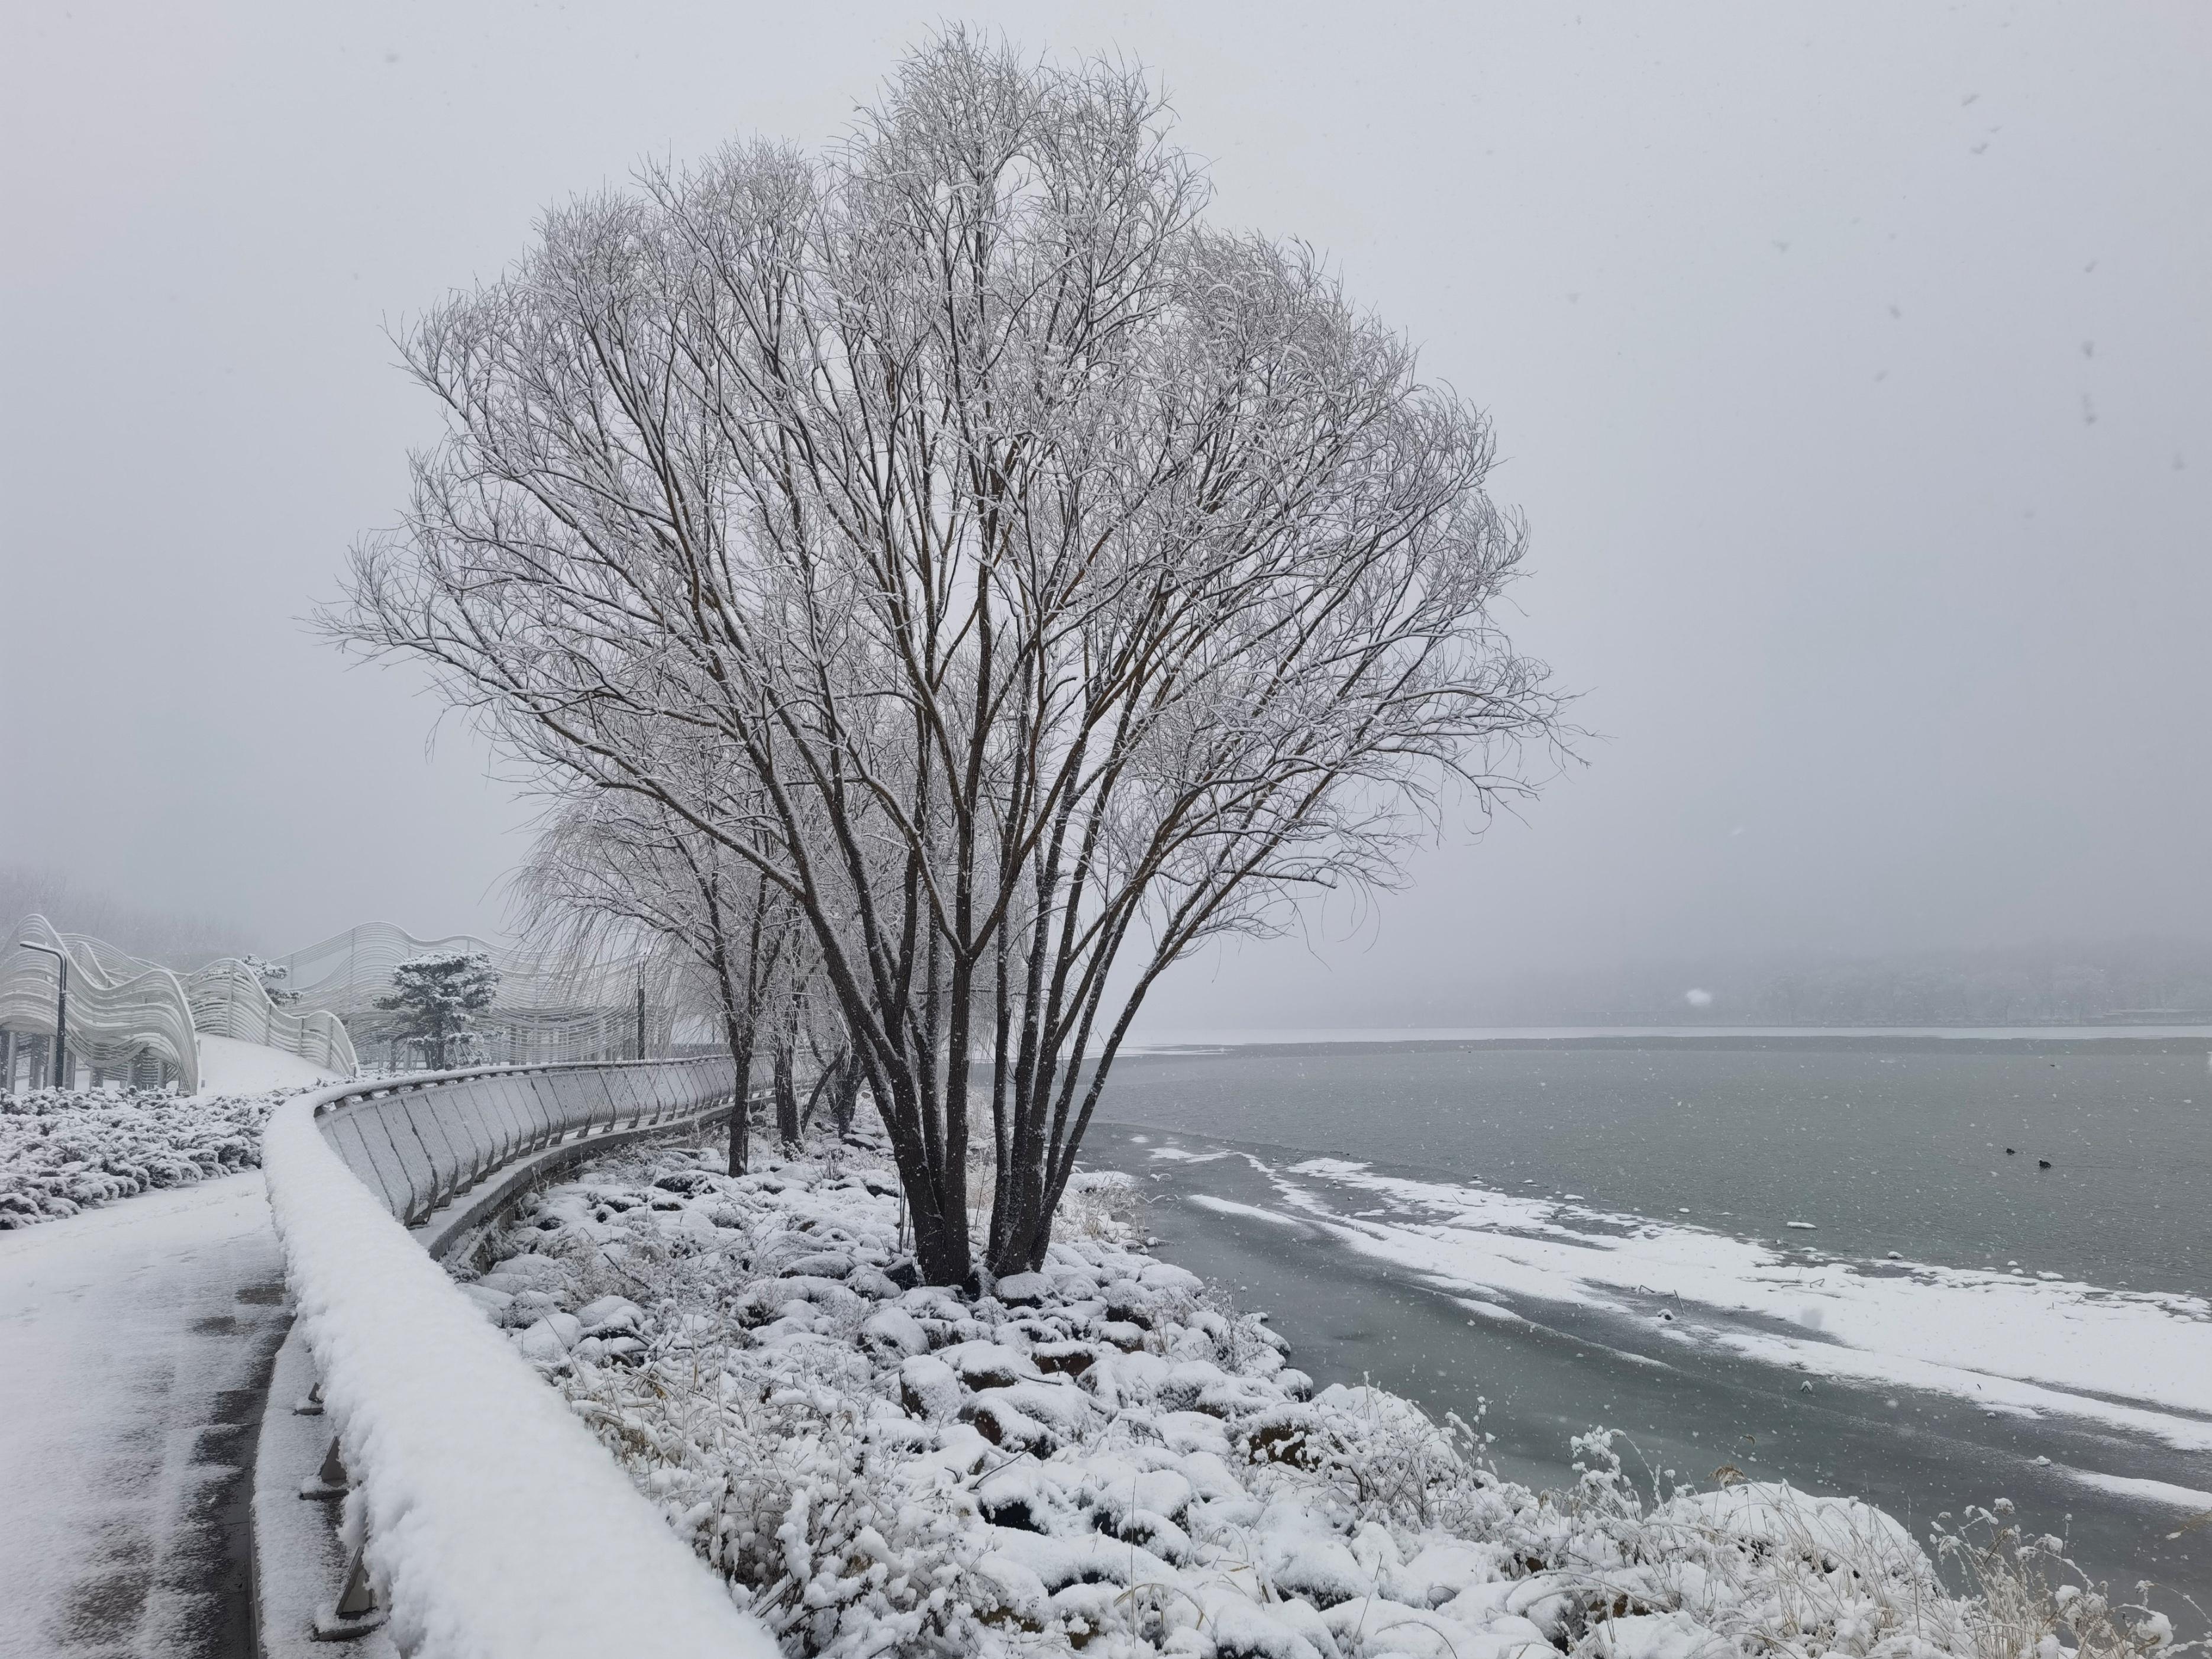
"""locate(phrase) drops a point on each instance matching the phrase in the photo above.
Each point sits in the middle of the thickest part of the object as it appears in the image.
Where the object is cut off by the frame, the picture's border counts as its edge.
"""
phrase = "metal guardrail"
(423, 1139)
(442, 1152)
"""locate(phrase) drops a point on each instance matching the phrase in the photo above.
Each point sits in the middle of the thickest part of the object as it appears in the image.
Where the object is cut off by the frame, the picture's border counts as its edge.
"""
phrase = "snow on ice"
(2138, 1361)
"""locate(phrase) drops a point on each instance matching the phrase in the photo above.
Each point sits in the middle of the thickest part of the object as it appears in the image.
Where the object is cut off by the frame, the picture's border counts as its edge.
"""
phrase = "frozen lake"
(1675, 1236)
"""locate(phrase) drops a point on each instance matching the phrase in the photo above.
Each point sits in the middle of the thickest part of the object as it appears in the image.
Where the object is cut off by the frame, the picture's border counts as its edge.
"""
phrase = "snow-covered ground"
(131, 1338)
(1108, 1456)
(228, 1066)
(2013, 1341)
(61, 1153)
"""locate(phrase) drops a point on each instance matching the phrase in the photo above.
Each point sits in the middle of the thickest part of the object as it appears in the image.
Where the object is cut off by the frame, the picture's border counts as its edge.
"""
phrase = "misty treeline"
(2049, 982)
(181, 942)
(945, 574)
(2026, 984)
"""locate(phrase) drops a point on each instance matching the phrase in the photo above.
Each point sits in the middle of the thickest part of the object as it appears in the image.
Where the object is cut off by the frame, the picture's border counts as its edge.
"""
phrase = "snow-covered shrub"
(1106, 1456)
(1097, 1204)
(2029, 1598)
(62, 1152)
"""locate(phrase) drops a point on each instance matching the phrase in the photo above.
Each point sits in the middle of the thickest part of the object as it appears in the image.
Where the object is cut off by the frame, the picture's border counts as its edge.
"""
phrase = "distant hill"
(2138, 981)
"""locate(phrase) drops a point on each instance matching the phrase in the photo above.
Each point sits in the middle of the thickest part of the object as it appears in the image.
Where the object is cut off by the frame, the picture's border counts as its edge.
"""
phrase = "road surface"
(136, 1340)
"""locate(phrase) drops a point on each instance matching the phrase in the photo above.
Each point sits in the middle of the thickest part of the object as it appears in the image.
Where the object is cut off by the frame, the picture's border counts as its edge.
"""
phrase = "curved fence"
(122, 1011)
(228, 1000)
(420, 1141)
(125, 1013)
(479, 1517)
(546, 1012)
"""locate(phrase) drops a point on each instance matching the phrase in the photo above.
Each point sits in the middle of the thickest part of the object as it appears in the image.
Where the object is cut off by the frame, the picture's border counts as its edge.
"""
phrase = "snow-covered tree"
(617, 876)
(1053, 580)
(276, 980)
(438, 997)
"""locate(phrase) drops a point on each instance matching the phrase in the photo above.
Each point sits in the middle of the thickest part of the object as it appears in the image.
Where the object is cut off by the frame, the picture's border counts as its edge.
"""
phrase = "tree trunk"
(845, 1096)
(936, 1210)
(786, 1097)
(814, 1096)
(741, 1056)
(839, 1085)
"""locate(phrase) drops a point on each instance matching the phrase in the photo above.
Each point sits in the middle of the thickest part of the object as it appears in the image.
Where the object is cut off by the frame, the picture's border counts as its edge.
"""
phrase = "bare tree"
(794, 1000)
(1067, 581)
(615, 875)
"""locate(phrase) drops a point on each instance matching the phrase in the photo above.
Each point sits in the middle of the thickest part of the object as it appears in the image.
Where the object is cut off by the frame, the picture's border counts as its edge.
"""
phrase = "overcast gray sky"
(1853, 365)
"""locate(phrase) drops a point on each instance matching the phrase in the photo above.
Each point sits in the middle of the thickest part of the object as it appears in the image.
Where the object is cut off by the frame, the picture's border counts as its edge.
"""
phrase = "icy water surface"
(1592, 1232)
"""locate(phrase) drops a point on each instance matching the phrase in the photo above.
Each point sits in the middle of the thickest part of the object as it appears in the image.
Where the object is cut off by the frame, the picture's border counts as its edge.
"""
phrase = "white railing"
(481, 1517)
(120, 1010)
(228, 1000)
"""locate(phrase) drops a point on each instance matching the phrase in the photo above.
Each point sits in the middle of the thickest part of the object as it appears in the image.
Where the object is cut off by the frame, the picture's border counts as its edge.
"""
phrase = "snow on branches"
(437, 998)
(1027, 580)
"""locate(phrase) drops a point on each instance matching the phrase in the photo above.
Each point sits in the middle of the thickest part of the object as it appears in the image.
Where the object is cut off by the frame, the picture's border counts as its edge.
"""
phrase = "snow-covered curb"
(495, 1525)
(1104, 1457)
(63, 1152)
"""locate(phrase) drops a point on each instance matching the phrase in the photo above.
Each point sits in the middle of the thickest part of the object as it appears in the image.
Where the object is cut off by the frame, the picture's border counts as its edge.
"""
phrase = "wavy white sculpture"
(125, 1012)
(121, 1011)
(546, 1014)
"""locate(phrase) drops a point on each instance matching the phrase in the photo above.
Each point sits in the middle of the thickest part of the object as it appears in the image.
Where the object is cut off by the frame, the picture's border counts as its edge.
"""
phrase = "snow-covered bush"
(1106, 1456)
(62, 1152)
(1097, 1204)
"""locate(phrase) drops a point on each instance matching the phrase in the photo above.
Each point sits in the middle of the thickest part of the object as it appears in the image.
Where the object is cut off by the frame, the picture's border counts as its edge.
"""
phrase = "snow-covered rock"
(542, 1344)
(895, 1330)
(610, 1315)
(930, 1389)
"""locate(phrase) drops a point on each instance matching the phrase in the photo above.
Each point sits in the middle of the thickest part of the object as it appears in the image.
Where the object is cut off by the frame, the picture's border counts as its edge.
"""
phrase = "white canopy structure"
(125, 1014)
(230, 999)
(346, 972)
(122, 1011)
(546, 1014)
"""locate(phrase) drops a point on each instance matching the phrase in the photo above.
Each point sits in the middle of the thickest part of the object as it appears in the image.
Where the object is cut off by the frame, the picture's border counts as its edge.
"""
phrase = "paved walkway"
(134, 1342)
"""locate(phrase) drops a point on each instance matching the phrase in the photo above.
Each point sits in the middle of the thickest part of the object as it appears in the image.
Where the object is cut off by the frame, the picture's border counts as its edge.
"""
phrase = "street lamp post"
(61, 1006)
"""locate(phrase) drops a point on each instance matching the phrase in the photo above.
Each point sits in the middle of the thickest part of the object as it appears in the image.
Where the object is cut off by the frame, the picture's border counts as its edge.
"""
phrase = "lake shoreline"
(1698, 1389)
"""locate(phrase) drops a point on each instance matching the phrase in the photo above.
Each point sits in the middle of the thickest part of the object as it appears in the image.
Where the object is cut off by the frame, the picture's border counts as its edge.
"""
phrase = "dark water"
(1890, 1145)
(1887, 1145)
